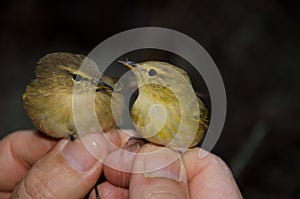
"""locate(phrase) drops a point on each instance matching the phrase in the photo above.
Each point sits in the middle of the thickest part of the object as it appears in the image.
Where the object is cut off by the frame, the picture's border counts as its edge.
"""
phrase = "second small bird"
(167, 111)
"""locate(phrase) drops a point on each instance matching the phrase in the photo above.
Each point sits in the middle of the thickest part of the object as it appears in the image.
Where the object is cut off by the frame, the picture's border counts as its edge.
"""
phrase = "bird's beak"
(128, 81)
(129, 64)
(102, 83)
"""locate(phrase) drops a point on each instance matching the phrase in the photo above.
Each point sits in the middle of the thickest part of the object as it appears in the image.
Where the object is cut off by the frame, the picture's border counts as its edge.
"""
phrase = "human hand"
(35, 166)
(191, 176)
(51, 171)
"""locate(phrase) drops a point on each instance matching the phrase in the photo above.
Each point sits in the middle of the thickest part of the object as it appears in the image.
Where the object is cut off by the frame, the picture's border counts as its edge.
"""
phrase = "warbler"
(167, 111)
(70, 87)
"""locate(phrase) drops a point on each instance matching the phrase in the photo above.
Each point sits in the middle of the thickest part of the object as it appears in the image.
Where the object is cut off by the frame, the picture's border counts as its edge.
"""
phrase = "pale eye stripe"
(75, 72)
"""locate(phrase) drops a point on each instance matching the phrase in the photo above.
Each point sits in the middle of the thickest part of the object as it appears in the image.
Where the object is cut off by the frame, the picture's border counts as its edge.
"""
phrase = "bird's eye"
(152, 72)
(77, 77)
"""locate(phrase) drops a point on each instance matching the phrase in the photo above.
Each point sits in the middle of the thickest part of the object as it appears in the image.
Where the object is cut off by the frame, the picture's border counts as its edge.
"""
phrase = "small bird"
(67, 88)
(167, 111)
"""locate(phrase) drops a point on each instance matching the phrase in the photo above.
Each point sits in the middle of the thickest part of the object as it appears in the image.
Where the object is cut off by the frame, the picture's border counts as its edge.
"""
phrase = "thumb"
(69, 170)
(158, 173)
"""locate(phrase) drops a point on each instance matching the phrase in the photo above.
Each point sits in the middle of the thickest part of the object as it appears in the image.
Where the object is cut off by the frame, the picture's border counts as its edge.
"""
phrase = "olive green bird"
(70, 94)
(167, 111)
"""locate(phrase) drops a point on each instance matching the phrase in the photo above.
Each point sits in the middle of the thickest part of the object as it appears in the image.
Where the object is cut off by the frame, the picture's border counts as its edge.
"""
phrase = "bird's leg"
(72, 136)
(100, 180)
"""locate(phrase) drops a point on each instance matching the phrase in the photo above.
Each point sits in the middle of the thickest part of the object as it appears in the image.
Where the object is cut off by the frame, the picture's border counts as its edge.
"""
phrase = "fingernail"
(163, 163)
(82, 155)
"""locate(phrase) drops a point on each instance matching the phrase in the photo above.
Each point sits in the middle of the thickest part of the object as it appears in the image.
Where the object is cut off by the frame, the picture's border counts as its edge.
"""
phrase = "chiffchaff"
(61, 79)
(167, 110)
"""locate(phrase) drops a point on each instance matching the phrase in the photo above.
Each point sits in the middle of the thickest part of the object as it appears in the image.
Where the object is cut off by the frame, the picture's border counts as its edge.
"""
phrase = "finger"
(18, 152)
(69, 170)
(107, 191)
(209, 177)
(117, 168)
(5, 194)
(158, 173)
(118, 164)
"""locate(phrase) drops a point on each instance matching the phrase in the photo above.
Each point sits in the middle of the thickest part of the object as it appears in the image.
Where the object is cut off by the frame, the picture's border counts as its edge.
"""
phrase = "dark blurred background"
(255, 44)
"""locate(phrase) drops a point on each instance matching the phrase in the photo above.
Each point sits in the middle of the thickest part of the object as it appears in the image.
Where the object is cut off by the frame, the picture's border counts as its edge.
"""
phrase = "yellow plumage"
(167, 110)
(62, 87)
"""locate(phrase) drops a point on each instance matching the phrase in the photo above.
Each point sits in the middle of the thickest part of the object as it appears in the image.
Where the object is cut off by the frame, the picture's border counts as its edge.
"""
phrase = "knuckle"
(162, 195)
(37, 185)
(163, 191)
(21, 192)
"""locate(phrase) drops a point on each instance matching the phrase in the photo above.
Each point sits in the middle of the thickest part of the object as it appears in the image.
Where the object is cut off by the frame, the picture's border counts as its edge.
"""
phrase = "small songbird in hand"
(167, 111)
(68, 88)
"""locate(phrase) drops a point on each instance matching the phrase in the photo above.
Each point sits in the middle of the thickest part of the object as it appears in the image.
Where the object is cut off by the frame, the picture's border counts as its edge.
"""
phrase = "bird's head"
(65, 70)
(157, 72)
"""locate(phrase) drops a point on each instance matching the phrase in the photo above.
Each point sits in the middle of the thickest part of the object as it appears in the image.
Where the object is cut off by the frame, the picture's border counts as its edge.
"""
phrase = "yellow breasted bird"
(67, 86)
(167, 110)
